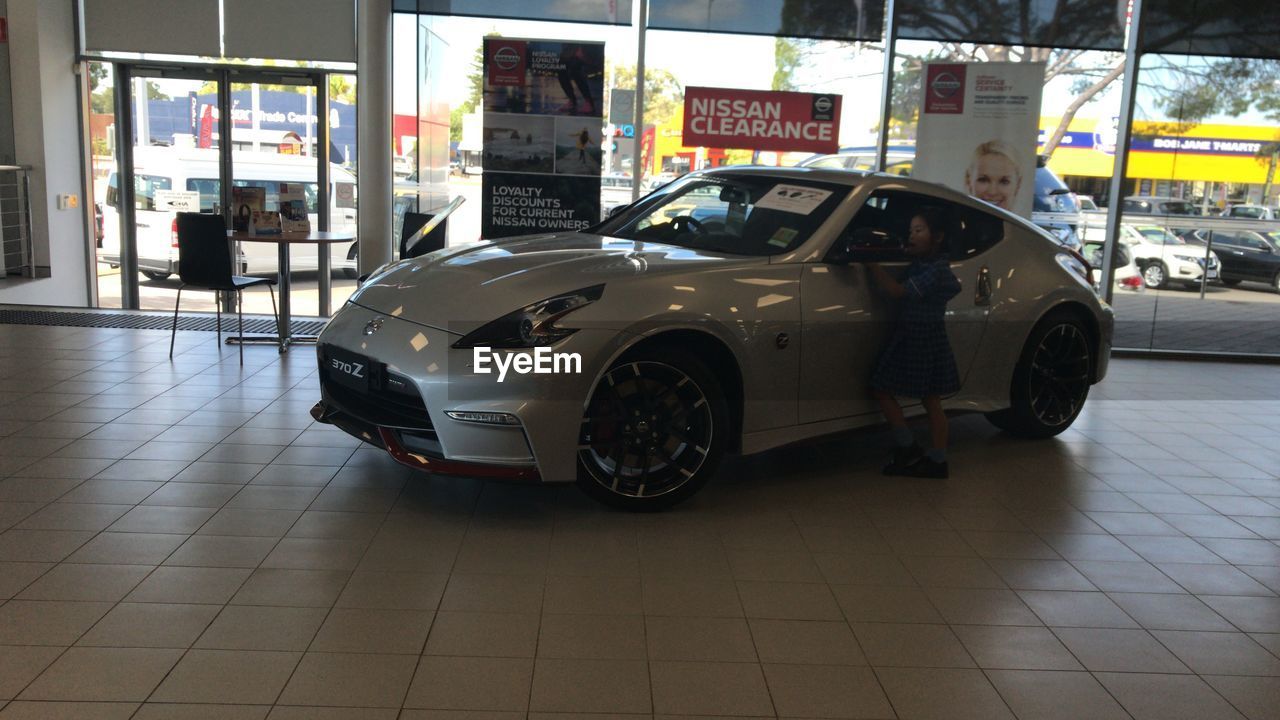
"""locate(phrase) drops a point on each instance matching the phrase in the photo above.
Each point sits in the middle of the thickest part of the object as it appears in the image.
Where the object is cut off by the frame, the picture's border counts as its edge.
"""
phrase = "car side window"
(878, 231)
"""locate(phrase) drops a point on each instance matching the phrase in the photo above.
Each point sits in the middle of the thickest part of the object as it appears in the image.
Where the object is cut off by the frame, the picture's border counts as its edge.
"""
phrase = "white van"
(192, 169)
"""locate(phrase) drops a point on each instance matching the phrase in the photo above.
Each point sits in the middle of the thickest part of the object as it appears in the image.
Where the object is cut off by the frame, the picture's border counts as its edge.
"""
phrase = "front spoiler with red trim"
(389, 440)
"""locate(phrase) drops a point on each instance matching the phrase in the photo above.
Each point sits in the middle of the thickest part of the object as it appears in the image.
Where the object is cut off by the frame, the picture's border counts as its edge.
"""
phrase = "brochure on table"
(245, 201)
(293, 208)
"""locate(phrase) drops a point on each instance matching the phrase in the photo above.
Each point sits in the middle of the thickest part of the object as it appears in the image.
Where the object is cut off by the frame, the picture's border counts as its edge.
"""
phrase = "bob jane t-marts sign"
(761, 120)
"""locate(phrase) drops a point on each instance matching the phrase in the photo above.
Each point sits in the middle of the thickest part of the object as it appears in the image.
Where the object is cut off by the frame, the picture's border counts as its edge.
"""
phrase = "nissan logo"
(944, 85)
(506, 57)
(822, 104)
(373, 326)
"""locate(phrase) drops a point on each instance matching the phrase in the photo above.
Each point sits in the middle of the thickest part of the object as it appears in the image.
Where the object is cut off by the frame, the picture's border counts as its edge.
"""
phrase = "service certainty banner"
(543, 105)
(979, 124)
(761, 120)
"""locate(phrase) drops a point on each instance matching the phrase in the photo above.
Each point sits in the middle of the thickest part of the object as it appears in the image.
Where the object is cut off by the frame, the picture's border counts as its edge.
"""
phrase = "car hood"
(459, 289)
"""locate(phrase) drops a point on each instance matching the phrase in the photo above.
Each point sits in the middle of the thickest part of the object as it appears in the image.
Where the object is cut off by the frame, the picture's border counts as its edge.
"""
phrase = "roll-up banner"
(978, 129)
(543, 121)
(761, 120)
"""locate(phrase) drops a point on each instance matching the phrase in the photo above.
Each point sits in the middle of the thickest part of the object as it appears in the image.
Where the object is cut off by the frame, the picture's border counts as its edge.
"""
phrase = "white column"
(373, 132)
(46, 136)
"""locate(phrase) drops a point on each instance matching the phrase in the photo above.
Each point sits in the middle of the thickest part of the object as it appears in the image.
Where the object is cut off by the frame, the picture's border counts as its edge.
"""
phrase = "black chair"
(204, 262)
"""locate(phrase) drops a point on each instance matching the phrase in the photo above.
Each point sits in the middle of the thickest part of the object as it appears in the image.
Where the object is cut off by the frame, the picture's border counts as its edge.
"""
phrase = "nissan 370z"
(730, 311)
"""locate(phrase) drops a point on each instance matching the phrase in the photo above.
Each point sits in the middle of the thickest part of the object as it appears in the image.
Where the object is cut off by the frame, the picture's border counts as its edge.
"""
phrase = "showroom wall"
(46, 134)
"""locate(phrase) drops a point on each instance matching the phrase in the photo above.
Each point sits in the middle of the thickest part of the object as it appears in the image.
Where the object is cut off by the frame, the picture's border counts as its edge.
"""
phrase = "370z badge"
(354, 369)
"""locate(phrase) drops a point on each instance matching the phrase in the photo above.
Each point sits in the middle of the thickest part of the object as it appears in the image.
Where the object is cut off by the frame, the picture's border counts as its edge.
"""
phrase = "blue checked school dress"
(917, 361)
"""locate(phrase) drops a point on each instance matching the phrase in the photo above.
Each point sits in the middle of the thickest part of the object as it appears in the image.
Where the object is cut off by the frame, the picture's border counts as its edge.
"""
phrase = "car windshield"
(734, 214)
(1161, 236)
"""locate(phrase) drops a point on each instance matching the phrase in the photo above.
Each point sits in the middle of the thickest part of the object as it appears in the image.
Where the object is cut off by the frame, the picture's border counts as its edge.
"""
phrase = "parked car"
(1158, 205)
(1251, 212)
(196, 170)
(1165, 258)
(1127, 275)
(1051, 195)
(744, 322)
(1245, 255)
(1086, 203)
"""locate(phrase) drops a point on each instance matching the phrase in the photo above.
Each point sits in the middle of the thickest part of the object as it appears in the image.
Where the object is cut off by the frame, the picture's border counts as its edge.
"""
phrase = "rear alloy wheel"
(653, 432)
(1155, 275)
(1051, 381)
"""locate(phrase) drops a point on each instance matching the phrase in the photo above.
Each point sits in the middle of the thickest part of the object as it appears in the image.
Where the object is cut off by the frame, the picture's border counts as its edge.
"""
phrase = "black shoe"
(902, 459)
(927, 468)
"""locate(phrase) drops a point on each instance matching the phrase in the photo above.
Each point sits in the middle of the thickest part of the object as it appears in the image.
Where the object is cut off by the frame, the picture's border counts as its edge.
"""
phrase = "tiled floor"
(180, 541)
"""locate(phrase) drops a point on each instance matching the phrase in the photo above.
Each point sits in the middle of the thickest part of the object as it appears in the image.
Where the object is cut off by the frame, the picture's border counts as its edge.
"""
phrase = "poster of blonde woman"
(978, 128)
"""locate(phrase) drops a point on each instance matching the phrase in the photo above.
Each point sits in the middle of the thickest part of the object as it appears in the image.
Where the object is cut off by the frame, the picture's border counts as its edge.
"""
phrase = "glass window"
(210, 192)
(879, 231)
(1210, 27)
(1178, 207)
(735, 214)
(834, 19)
(1089, 24)
(144, 188)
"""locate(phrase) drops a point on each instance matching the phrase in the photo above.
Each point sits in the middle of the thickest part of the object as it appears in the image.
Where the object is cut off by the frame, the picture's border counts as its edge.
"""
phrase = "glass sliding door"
(172, 165)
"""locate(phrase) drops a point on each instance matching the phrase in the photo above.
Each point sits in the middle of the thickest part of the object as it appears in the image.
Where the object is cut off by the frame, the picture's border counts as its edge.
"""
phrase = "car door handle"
(982, 293)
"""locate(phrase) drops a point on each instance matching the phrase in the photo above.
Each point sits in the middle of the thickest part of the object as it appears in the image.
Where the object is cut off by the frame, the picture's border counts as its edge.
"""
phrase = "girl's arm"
(887, 282)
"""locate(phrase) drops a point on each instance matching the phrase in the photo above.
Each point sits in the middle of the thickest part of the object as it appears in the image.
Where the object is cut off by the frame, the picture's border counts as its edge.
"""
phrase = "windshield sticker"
(798, 199)
(783, 236)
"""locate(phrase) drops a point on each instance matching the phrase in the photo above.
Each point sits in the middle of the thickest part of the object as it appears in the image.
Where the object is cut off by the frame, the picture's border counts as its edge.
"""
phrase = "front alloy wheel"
(1155, 276)
(653, 432)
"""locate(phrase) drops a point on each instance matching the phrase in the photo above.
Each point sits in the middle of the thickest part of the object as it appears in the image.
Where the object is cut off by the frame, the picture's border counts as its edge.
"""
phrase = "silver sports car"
(731, 311)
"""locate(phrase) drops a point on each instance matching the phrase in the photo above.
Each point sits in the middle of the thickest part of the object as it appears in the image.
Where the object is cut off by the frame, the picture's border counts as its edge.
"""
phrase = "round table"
(283, 241)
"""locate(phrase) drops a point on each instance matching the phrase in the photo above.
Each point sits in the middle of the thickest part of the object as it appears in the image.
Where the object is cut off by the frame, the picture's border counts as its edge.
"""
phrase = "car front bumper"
(414, 424)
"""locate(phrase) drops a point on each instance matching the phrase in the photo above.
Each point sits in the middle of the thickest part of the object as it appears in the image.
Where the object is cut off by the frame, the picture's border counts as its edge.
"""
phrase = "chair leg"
(174, 333)
(274, 312)
(240, 317)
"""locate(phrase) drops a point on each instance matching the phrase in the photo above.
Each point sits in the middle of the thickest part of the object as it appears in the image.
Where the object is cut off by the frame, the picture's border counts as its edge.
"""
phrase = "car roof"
(854, 178)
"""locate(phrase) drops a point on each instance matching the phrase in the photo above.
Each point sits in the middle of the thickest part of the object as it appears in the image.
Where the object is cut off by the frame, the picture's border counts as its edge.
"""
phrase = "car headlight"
(532, 325)
(1190, 258)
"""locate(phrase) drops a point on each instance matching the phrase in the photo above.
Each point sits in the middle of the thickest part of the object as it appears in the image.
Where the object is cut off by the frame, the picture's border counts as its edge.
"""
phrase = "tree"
(475, 94)
(787, 58)
(663, 93)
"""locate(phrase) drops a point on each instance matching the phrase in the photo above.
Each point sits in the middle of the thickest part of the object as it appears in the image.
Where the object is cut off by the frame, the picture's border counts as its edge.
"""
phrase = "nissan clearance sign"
(761, 120)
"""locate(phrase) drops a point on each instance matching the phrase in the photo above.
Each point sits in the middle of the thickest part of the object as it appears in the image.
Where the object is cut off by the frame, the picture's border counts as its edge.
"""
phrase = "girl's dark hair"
(934, 218)
(940, 224)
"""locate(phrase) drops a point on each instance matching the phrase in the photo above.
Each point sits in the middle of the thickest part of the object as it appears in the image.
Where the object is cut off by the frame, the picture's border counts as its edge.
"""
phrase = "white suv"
(1165, 258)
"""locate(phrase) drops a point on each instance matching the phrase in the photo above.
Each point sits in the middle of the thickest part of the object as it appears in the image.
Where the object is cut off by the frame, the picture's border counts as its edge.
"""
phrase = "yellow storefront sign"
(1165, 151)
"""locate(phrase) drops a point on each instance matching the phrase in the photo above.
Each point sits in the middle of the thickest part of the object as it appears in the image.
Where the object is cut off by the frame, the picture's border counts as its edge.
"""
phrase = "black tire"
(1275, 283)
(351, 273)
(1156, 275)
(654, 431)
(157, 276)
(1052, 378)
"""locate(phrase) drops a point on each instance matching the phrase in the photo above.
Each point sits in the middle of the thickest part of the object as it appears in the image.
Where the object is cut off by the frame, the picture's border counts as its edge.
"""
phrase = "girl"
(917, 361)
